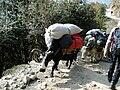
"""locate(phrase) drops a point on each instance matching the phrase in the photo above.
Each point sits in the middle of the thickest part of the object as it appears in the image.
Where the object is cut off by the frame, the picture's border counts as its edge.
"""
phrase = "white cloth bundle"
(56, 31)
(73, 29)
(48, 40)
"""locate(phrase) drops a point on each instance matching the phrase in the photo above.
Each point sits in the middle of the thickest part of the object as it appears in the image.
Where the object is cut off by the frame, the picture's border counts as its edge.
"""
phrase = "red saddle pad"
(77, 41)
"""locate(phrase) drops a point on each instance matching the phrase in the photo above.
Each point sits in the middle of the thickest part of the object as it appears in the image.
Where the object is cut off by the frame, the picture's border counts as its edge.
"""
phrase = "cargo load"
(57, 30)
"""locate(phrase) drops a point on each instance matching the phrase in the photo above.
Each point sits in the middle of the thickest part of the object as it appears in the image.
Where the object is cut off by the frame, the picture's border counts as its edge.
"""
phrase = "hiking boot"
(112, 86)
(109, 79)
(109, 76)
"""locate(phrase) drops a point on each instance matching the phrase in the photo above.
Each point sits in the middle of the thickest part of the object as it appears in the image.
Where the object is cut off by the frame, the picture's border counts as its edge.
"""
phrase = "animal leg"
(83, 50)
(54, 67)
(45, 61)
(93, 60)
(71, 60)
(67, 63)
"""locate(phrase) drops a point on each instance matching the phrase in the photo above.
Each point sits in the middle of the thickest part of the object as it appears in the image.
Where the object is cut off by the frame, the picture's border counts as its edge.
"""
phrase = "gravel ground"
(81, 76)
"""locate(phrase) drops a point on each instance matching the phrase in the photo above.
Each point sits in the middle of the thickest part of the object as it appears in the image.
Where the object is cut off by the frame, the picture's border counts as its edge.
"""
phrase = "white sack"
(73, 28)
(56, 31)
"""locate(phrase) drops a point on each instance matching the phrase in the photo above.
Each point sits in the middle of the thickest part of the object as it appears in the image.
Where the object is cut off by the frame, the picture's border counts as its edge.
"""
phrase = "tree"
(100, 17)
(13, 42)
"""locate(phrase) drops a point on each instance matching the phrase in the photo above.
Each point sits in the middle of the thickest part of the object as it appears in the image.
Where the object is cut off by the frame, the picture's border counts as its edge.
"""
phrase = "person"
(113, 73)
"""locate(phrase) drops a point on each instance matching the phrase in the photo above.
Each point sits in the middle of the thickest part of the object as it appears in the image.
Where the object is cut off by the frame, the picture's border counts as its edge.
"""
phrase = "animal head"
(91, 43)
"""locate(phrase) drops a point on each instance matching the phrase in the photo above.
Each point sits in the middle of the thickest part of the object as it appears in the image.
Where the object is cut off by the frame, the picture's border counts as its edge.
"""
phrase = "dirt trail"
(81, 76)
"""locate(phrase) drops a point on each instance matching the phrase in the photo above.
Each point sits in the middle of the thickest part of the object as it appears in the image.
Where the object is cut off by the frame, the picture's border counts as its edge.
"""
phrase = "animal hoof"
(94, 61)
(83, 60)
(42, 70)
(56, 69)
(51, 75)
(68, 67)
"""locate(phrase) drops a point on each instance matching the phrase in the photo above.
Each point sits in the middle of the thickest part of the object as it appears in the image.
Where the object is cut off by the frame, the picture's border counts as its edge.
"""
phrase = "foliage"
(100, 17)
(13, 42)
(78, 14)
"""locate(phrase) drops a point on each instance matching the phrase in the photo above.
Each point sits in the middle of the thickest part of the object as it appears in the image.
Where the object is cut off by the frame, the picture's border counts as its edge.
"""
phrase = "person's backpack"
(116, 44)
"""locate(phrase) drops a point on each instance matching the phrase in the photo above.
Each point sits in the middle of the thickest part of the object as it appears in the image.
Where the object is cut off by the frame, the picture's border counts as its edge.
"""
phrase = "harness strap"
(57, 51)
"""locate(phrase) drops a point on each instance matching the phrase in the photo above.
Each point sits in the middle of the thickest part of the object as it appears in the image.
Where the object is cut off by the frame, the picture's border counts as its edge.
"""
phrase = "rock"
(45, 76)
(21, 75)
(23, 86)
(53, 80)
(82, 89)
(33, 77)
(8, 77)
(26, 79)
(43, 85)
(28, 70)
(12, 82)
(4, 83)
(14, 78)
(97, 86)
(6, 88)
(15, 86)
(97, 71)
(32, 73)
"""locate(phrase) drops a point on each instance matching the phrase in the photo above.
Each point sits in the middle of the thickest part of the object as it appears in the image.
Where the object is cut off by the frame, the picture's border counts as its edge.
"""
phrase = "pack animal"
(91, 49)
(56, 44)
(56, 56)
